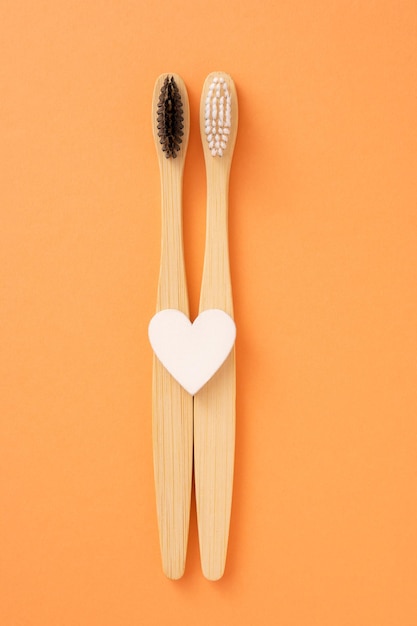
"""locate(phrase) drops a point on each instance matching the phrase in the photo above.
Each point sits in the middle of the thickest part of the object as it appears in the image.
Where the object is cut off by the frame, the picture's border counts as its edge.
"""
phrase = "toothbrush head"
(170, 118)
(217, 115)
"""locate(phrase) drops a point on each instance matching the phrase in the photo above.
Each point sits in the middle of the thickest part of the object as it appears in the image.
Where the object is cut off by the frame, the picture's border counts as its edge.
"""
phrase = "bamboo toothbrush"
(214, 404)
(172, 420)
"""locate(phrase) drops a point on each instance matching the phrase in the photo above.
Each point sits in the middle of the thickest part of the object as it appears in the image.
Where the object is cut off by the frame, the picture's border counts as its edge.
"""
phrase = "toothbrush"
(214, 404)
(172, 406)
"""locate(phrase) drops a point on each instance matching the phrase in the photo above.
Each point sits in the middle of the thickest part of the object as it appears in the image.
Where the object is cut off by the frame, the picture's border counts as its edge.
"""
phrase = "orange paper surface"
(323, 234)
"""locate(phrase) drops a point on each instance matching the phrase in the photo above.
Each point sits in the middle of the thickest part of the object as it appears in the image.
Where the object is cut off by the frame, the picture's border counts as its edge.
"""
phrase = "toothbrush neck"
(172, 288)
(216, 289)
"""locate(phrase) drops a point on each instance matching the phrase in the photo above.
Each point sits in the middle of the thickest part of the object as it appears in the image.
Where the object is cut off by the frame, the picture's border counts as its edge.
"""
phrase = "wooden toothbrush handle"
(172, 426)
(172, 420)
(214, 404)
(214, 447)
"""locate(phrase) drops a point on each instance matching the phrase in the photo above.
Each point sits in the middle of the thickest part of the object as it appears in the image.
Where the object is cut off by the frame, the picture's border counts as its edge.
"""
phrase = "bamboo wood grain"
(172, 419)
(214, 404)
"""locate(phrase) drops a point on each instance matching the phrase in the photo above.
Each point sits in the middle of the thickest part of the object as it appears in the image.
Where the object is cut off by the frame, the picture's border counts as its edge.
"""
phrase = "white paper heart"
(192, 353)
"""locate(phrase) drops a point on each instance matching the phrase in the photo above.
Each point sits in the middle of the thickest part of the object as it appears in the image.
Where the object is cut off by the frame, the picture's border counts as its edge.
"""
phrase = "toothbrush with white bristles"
(214, 404)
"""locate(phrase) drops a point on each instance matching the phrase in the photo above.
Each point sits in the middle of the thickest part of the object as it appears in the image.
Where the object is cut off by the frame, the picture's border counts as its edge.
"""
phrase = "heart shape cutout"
(192, 352)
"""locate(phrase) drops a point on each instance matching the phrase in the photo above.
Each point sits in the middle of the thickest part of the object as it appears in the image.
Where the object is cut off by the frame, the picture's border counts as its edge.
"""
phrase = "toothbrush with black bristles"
(214, 404)
(172, 419)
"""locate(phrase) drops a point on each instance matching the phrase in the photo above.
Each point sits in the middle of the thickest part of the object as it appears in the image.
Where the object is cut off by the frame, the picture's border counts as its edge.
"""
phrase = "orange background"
(323, 238)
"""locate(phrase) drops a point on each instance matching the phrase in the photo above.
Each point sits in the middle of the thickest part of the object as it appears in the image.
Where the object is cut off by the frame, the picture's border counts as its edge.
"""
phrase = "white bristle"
(218, 115)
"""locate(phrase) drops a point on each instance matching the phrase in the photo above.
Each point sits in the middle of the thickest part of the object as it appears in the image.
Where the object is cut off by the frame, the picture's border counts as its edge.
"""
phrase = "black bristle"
(170, 118)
